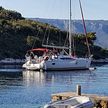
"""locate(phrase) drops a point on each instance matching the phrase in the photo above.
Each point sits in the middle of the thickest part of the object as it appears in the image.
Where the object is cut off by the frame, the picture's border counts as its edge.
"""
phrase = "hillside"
(18, 34)
(98, 26)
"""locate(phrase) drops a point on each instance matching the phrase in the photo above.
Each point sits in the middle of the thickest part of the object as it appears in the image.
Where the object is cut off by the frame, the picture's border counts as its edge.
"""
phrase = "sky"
(58, 9)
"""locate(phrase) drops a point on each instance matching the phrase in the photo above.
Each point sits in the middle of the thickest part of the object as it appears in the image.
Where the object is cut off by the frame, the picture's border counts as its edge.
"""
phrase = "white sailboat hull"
(67, 64)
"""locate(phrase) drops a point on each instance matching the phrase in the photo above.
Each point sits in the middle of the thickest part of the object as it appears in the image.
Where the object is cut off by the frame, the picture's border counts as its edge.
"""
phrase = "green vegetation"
(81, 47)
(17, 35)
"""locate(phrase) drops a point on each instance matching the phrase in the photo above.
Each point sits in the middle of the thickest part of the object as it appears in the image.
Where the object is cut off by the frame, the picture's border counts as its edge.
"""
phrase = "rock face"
(98, 26)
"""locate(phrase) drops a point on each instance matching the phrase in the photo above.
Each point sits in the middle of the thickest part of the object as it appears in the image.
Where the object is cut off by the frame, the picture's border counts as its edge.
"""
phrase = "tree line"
(18, 34)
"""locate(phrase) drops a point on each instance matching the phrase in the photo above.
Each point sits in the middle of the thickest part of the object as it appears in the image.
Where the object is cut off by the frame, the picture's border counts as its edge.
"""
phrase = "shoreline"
(11, 61)
(100, 61)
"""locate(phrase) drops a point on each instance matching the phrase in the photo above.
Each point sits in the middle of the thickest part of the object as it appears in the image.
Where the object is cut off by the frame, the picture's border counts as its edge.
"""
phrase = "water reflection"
(69, 76)
(9, 79)
(57, 77)
(38, 78)
(33, 77)
(10, 74)
(9, 66)
(35, 88)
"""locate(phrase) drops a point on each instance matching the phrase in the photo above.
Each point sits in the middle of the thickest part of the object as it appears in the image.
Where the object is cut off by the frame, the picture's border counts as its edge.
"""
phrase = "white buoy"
(92, 68)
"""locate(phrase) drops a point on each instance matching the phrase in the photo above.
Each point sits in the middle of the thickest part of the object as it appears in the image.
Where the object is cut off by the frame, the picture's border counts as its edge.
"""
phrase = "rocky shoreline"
(11, 61)
(100, 61)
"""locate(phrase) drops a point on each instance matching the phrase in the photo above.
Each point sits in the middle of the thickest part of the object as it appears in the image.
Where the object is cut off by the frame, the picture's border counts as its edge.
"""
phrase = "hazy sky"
(93, 9)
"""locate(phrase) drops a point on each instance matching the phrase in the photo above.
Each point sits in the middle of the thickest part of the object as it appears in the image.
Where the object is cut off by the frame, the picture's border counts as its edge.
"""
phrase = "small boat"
(73, 102)
(35, 59)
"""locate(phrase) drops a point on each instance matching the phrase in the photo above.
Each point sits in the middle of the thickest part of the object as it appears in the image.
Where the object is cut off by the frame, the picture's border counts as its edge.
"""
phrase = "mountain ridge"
(98, 26)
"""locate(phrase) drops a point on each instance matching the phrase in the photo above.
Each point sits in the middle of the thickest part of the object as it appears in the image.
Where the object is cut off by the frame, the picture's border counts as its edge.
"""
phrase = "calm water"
(28, 89)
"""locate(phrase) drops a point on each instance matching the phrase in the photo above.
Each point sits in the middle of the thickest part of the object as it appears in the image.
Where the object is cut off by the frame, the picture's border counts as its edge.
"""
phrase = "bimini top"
(40, 49)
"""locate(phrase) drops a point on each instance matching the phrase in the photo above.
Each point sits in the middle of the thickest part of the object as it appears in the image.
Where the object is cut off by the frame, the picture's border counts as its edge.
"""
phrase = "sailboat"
(62, 61)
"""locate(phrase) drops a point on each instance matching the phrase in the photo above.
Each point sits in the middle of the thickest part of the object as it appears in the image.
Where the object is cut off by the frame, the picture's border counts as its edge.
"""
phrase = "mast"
(70, 41)
(85, 31)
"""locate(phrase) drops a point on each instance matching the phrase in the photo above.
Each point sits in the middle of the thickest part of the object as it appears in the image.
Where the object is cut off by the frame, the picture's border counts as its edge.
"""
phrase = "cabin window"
(53, 63)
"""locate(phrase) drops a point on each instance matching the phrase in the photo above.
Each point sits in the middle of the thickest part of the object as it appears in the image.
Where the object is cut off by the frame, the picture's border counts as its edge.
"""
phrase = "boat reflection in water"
(69, 80)
(57, 79)
(52, 79)
(34, 77)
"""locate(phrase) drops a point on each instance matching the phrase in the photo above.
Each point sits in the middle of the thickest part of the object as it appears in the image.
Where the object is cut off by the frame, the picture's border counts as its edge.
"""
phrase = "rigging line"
(66, 23)
(89, 53)
(65, 52)
(59, 38)
(48, 36)
(73, 41)
(73, 44)
(66, 28)
(44, 35)
(35, 40)
(70, 47)
(43, 42)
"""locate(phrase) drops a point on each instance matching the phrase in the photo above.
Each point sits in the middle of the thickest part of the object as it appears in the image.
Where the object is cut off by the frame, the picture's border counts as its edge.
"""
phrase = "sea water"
(32, 89)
